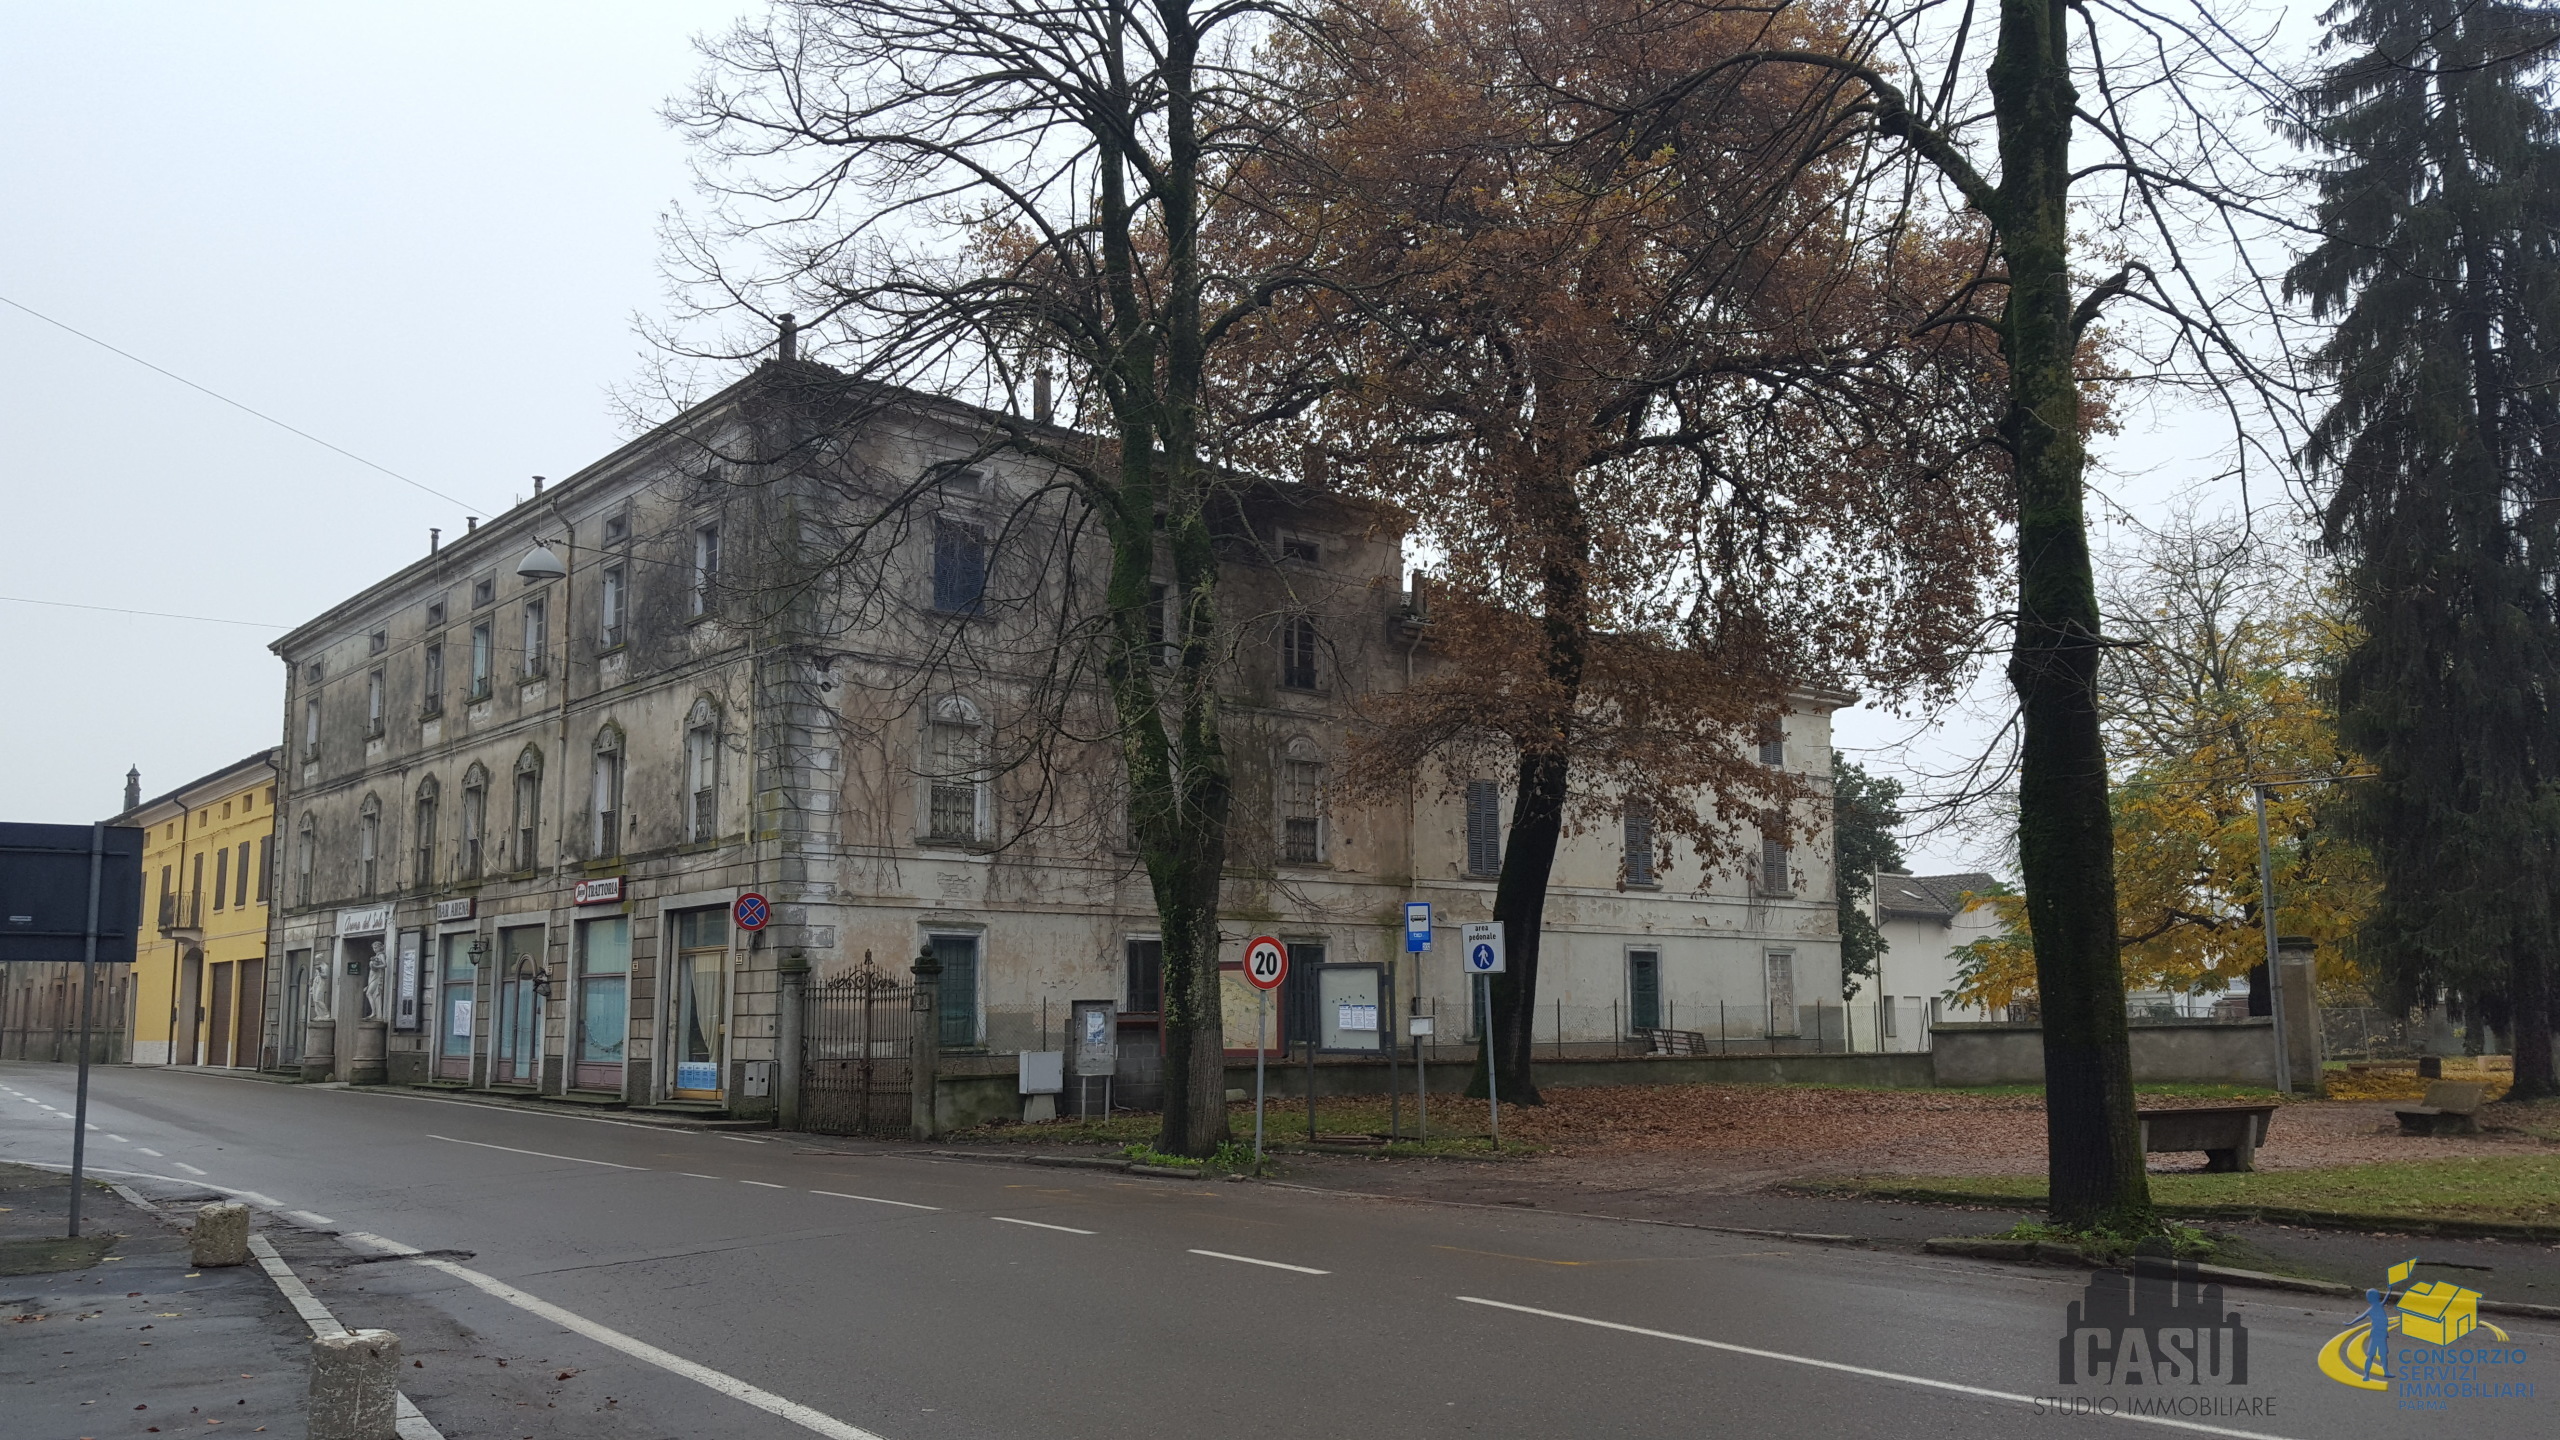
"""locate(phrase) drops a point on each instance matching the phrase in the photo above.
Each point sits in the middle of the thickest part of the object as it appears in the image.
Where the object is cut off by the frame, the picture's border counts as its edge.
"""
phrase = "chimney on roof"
(470, 523)
(787, 344)
(133, 789)
(435, 538)
(537, 484)
(1040, 402)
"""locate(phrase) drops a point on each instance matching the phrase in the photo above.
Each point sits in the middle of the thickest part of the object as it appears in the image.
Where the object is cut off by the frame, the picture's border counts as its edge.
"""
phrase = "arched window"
(604, 830)
(428, 794)
(475, 818)
(305, 845)
(702, 772)
(528, 817)
(955, 773)
(1302, 837)
(368, 845)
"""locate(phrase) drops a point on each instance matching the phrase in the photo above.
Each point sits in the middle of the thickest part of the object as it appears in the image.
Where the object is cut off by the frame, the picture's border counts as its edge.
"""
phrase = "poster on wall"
(404, 1004)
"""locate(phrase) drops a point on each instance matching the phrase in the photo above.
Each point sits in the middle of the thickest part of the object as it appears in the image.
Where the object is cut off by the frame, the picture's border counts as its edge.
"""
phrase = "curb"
(572, 1109)
(2262, 1214)
(2046, 1252)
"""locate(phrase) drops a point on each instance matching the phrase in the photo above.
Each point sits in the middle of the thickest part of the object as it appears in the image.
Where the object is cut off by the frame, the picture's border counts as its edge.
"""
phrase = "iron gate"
(856, 1036)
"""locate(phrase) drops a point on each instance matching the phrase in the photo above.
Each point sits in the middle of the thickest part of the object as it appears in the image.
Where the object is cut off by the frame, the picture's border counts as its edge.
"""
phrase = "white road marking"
(307, 1218)
(190, 1169)
(252, 1196)
(408, 1423)
(1249, 1260)
(1039, 1225)
(545, 1154)
(1922, 1381)
(119, 1139)
(690, 1175)
(767, 1184)
(741, 1139)
(147, 1150)
(817, 1421)
(876, 1200)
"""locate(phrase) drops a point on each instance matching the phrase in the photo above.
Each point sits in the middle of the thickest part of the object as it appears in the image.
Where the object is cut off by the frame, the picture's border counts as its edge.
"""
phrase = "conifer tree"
(2439, 207)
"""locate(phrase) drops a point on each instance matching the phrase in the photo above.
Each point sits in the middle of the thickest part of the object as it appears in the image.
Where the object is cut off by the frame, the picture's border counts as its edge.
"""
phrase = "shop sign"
(597, 892)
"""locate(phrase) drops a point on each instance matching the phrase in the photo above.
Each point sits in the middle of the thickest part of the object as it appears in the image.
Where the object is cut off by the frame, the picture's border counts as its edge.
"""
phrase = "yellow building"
(208, 870)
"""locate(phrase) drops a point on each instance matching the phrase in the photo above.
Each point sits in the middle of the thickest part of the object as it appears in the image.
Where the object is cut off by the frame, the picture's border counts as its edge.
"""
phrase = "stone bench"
(2451, 1108)
(2229, 1135)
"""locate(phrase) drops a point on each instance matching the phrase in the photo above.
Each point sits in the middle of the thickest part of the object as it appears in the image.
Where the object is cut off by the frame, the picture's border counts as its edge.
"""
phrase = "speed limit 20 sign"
(1266, 962)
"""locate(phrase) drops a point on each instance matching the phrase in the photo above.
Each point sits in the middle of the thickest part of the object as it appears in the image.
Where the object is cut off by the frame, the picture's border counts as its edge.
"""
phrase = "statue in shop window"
(316, 994)
(376, 976)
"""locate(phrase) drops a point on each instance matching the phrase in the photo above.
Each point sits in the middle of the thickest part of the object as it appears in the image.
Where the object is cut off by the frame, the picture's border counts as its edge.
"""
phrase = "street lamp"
(540, 565)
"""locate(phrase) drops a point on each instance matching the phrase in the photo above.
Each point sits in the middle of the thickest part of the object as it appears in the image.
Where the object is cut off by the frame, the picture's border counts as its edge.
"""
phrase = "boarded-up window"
(1782, 992)
(1484, 827)
(1639, 842)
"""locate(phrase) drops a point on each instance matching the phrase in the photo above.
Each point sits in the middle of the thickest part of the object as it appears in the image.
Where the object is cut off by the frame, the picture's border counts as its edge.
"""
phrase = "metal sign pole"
(1492, 1099)
(88, 983)
(2267, 919)
(1422, 1080)
(1261, 1050)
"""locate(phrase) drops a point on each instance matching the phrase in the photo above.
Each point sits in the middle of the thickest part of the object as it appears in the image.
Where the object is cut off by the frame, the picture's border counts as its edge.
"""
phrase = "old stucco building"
(523, 790)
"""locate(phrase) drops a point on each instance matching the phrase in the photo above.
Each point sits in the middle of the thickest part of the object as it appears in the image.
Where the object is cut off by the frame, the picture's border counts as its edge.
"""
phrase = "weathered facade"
(522, 797)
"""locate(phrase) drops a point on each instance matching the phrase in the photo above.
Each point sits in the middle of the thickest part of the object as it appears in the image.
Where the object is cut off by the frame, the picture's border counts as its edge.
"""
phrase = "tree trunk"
(2529, 1000)
(2065, 842)
(1537, 809)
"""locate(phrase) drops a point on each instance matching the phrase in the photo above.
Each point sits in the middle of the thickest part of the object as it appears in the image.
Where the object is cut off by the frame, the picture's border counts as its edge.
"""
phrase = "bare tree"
(2115, 116)
(961, 197)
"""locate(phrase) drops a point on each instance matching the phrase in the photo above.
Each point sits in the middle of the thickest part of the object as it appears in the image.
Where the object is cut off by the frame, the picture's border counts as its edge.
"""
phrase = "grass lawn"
(2505, 1191)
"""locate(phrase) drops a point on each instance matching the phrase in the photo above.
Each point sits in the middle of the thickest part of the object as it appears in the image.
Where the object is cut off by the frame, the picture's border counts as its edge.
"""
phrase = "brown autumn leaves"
(1686, 412)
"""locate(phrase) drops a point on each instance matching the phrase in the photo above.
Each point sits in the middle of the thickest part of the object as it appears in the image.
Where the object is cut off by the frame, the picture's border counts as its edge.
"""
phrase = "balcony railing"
(181, 910)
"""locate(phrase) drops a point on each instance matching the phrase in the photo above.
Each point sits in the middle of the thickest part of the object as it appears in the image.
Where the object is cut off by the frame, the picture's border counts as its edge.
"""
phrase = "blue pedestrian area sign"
(1481, 948)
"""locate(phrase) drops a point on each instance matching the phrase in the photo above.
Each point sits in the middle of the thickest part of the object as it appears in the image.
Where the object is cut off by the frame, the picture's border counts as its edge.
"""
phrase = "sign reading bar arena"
(449, 910)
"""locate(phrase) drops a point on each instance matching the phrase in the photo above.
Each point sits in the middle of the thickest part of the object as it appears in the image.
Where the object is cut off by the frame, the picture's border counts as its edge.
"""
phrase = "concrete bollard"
(355, 1386)
(221, 1236)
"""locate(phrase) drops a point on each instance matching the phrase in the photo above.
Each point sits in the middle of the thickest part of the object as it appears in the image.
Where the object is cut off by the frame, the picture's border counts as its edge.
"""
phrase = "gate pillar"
(925, 1049)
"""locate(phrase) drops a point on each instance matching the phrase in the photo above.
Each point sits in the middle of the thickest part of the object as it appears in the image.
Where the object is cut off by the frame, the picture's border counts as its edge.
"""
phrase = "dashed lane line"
(147, 1150)
(767, 1184)
(190, 1169)
(691, 1175)
(544, 1154)
(307, 1218)
(1249, 1260)
(876, 1200)
(1040, 1225)
(1922, 1381)
(119, 1139)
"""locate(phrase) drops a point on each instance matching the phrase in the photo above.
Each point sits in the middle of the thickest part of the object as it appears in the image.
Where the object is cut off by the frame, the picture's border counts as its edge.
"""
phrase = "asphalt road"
(649, 1282)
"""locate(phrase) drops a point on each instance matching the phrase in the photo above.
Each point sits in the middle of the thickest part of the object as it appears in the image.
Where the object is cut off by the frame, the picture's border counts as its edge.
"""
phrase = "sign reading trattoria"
(597, 892)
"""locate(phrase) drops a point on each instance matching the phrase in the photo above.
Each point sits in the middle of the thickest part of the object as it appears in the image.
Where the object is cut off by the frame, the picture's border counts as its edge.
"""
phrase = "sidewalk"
(2514, 1272)
(116, 1335)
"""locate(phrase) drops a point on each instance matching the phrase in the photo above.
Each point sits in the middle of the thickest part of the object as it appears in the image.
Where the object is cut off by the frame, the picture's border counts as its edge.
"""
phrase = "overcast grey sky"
(417, 231)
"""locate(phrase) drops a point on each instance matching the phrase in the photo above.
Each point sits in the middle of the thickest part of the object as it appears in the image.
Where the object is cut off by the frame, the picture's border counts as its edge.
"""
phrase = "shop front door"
(515, 1058)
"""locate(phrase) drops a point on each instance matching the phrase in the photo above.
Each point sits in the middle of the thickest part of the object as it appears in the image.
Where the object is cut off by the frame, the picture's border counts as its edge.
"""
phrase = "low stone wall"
(2169, 1052)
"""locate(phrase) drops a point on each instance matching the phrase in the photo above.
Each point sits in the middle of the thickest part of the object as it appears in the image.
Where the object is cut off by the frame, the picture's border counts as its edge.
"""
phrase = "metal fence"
(857, 1038)
(2364, 1032)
